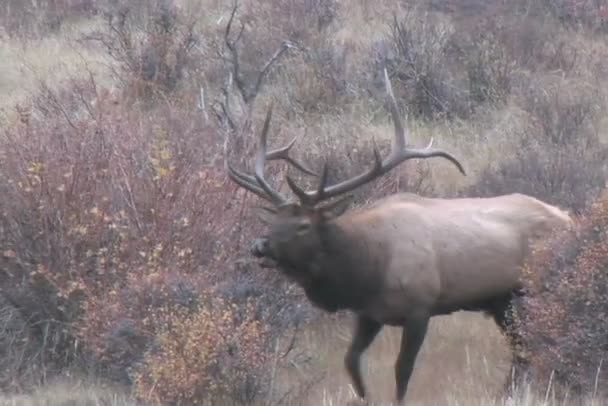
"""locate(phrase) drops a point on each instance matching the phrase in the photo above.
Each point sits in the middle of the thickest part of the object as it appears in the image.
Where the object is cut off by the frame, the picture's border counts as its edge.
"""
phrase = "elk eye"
(303, 228)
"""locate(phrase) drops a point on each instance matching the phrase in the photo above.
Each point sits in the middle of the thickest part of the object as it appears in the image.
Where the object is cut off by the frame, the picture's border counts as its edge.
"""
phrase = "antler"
(257, 183)
(399, 153)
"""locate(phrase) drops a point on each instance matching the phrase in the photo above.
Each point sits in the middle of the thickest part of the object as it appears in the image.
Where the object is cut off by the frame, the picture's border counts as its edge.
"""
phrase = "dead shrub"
(317, 80)
(562, 319)
(23, 355)
(535, 41)
(421, 42)
(35, 19)
(443, 72)
(560, 159)
(591, 13)
(489, 69)
(301, 22)
(152, 54)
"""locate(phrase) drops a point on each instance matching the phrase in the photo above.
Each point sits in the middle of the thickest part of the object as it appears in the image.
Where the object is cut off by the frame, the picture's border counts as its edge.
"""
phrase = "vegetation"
(563, 319)
(124, 246)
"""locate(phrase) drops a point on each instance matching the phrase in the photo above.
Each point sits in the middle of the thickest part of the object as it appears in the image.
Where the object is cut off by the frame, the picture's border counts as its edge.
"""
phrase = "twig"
(247, 92)
(292, 341)
(273, 374)
(131, 200)
(202, 105)
(549, 386)
(597, 379)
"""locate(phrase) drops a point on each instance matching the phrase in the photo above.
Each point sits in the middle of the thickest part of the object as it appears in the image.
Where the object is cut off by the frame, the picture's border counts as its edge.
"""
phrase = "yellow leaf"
(9, 254)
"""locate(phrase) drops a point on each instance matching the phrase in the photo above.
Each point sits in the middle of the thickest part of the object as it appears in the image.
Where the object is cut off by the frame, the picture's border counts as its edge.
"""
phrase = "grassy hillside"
(124, 246)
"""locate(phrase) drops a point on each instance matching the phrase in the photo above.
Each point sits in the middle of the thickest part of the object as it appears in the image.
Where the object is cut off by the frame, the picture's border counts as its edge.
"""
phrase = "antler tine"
(399, 141)
(305, 197)
(283, 153)
(246, 182)
(399, 153)
(257, 184)
(260, 162)
(250, 182)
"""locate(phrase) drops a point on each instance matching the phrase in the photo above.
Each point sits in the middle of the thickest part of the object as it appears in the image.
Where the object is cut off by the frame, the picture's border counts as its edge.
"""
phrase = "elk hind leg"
(412, 338)
(365, 332)
(502, 312)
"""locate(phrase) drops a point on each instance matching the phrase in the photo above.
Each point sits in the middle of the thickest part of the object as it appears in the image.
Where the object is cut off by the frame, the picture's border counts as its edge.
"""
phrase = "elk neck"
(344, 271)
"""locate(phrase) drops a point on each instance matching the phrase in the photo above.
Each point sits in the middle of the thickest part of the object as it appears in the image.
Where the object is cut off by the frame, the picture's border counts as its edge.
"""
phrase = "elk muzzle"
(260, 247)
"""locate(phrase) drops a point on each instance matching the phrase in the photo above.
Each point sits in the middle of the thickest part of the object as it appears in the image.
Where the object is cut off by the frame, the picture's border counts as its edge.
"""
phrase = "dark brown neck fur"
(342, 275)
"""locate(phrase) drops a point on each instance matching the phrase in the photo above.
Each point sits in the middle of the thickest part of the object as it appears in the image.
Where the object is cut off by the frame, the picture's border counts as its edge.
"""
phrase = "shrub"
(560, 159)
(421, 50)
(591, 13)
(489, 68)
(298, 21)
(152, 54)
(213, 351)
(317, 81)
(116, 226)
(563, 319)
(447, 72)
(30, 18)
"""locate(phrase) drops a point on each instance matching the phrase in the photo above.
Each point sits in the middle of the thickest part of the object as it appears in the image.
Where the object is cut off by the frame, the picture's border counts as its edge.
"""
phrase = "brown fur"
(403, 259)
(407, 258)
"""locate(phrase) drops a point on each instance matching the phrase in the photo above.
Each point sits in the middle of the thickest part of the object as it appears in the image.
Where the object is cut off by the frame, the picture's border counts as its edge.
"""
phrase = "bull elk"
(401, 260)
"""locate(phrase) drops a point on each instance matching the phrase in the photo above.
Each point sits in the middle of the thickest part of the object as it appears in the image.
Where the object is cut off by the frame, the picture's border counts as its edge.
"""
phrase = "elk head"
(297, 229)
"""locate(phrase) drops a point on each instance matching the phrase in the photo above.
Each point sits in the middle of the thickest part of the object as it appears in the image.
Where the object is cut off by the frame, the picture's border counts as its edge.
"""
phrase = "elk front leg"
(412, 338)
(365, 332)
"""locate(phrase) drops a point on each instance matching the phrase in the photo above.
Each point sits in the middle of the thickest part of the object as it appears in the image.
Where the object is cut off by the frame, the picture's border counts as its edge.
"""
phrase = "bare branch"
(247, 91)
(286, 45)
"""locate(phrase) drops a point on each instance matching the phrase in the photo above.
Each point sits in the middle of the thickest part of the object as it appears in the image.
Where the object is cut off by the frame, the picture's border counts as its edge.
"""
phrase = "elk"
(401, 260)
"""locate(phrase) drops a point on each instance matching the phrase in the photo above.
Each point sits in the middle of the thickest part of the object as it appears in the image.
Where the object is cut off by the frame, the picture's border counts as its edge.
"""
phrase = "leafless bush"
(30, 18)
(317, 80)
(447, 73)
(489, 69)
(592, 13)
(152, 54)
(560, 159)
(300, 22)
(422, 44)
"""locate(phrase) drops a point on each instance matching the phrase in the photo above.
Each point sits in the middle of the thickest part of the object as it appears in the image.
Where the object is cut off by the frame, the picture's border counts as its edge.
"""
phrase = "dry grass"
(464, 354)
(71, 392)
(52, 60)
(465, 359)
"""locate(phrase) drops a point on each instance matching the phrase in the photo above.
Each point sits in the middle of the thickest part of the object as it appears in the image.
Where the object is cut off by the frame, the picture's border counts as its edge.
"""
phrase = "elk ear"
(337, 208)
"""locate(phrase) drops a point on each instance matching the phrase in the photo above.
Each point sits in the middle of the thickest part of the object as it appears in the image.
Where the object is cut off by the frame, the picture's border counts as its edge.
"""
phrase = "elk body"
(403, 259)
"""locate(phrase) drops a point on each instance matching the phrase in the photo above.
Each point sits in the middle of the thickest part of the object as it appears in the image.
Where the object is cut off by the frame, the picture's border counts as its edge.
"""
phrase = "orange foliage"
(120, 225)
(202, 353)
(563, 321)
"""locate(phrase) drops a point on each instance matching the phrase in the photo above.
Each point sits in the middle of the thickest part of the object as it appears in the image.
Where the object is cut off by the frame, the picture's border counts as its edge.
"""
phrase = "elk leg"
(412, 338)
(365, 332)
(502, 312)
